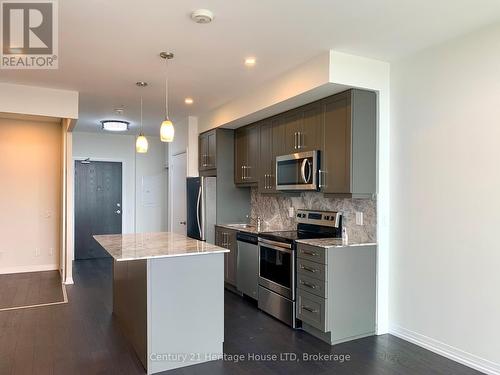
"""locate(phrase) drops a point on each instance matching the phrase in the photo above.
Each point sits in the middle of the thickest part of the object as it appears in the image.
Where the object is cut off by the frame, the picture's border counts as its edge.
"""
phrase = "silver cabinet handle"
(118, 212)
(295, 140)
(312, 286)
(298, 140)
(320, 179)
(308, 269)
(310, 309)
(311, 253)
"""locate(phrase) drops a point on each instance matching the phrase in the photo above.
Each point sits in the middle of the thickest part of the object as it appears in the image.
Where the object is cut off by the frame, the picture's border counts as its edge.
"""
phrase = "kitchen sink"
(241, 226)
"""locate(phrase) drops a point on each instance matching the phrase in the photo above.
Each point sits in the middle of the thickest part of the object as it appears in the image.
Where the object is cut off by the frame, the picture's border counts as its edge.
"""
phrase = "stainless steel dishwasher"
(247, 279)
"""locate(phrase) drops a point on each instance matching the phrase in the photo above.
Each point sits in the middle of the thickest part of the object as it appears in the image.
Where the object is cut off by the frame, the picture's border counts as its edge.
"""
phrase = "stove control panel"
(326, 218)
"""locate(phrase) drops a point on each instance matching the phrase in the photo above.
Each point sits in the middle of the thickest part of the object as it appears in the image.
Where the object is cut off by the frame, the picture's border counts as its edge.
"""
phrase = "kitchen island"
(168, 297)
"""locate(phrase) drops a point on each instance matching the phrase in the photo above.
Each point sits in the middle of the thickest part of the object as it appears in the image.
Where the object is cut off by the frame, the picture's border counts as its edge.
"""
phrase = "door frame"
(71, 252)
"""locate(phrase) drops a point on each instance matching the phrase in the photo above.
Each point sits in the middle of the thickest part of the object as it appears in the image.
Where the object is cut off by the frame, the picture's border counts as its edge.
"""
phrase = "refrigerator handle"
(198, 212)
(203, 204)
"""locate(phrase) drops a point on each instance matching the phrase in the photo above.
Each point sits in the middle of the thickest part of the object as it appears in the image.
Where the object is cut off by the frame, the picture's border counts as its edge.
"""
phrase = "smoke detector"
(202, 16)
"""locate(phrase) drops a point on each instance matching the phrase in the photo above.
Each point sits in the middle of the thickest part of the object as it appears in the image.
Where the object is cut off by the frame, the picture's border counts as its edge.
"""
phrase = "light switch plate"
(291, 212)
(359, 218)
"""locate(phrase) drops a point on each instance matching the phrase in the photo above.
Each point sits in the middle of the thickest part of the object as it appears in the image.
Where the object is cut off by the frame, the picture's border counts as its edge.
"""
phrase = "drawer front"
(311, 310)
(312, 285)
(311, 269)
(314, 253)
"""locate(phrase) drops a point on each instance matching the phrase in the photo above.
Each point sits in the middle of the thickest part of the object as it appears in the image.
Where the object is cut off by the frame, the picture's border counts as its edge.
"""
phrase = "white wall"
(185, 140)
(445, 164)
(30, 199)
(111, 147)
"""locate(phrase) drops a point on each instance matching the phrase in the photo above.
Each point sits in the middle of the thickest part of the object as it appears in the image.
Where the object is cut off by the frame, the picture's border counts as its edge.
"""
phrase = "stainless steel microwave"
(297, 171)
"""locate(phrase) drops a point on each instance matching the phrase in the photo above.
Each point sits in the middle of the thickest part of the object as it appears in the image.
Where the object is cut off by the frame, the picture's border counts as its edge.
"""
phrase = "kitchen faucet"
(257, 221)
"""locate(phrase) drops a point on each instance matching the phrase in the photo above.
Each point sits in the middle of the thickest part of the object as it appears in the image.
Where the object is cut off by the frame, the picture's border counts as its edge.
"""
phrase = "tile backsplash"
(273, 210)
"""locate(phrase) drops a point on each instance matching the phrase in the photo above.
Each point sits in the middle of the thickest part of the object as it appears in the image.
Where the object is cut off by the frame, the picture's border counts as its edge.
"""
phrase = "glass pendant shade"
(167, 131)
(141, 144)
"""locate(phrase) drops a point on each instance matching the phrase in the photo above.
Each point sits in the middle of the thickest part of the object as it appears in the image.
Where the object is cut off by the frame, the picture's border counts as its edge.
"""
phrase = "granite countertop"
(135, 246)
(334, 242)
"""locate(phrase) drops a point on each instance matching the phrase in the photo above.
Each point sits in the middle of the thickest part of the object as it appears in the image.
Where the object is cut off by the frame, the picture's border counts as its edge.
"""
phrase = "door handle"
(182, 222)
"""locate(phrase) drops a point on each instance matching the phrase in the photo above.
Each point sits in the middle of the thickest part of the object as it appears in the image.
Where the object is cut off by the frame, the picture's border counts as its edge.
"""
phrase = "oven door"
(297, 171)
(277, 269)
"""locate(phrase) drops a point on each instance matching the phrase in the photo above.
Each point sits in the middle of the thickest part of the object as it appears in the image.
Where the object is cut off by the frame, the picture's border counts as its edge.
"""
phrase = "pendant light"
(141, 143)
(167, 130)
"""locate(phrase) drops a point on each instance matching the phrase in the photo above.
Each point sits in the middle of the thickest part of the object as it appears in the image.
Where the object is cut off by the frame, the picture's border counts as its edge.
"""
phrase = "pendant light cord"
(142, 127)
(166, 89)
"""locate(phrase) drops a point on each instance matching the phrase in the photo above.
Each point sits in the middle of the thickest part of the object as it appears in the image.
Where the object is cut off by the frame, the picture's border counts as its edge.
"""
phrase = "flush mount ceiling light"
(141, 143)
(202, 16)
(188, 101)
(115, 125)
(167, 130)
(250, 61)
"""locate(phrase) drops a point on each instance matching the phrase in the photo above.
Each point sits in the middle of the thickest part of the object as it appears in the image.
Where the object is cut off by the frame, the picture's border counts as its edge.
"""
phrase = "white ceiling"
(106, 46)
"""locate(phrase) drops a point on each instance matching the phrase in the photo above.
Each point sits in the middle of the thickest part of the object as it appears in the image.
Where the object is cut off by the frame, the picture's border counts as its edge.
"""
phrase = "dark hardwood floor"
(81, 337)
(30, 288)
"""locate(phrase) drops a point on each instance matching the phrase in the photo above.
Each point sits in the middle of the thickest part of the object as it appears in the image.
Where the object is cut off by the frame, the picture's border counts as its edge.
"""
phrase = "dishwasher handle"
(247, 237)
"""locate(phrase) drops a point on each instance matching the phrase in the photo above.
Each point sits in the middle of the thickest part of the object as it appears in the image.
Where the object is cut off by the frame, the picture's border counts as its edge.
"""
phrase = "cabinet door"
(311, 135)
(278, 148)
(212, 149)
(240, 155)
(253, 151)
(203, 151)
(336, 160)
(266, 157)
(293, 126)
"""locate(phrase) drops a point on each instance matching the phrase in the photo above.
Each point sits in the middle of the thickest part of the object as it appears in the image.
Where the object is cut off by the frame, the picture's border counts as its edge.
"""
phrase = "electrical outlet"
(359, 218)
(51, 251)
(291, 212)
(37, 252)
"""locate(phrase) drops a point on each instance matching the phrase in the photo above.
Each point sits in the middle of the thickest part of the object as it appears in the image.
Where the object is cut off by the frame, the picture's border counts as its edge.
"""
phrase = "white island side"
(168, 297)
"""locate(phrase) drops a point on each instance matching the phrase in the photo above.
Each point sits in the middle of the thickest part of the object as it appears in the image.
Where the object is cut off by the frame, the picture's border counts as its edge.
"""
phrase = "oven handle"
(277, 248)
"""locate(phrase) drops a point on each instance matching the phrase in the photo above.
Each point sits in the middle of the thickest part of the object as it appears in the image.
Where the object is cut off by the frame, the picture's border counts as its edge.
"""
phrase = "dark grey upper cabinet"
(246, 149)
(348, 159)
(304, 128)
(310, 137)
(207, 150)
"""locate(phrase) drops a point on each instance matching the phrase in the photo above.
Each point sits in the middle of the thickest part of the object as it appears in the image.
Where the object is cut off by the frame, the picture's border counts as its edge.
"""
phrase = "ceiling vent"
(202, 16)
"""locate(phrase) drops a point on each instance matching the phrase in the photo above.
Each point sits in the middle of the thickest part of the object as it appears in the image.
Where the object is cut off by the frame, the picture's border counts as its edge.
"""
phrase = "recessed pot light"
(115, 125)
(188, 100)
(250, 61)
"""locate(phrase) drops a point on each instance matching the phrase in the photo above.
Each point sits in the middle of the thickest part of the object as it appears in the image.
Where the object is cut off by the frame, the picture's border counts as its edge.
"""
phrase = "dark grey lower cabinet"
(336, 295)
(227, 238)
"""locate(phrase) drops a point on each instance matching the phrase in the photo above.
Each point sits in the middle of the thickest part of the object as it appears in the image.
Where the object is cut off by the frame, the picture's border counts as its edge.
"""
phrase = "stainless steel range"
(277, 260)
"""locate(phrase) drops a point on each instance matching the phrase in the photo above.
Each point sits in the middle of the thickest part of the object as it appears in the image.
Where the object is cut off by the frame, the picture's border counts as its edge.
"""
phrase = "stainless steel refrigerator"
(201, 208)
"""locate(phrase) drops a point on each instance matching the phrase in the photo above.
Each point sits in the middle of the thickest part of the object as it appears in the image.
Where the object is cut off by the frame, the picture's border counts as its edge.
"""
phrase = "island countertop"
(134, 246)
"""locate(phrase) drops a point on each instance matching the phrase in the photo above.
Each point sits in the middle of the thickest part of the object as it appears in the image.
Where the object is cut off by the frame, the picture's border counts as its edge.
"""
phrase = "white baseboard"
(33, 268)
(446, 350)
(69, 280)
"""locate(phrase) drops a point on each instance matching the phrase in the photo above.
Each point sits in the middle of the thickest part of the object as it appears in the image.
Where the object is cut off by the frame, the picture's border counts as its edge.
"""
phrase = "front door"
(98, 205)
